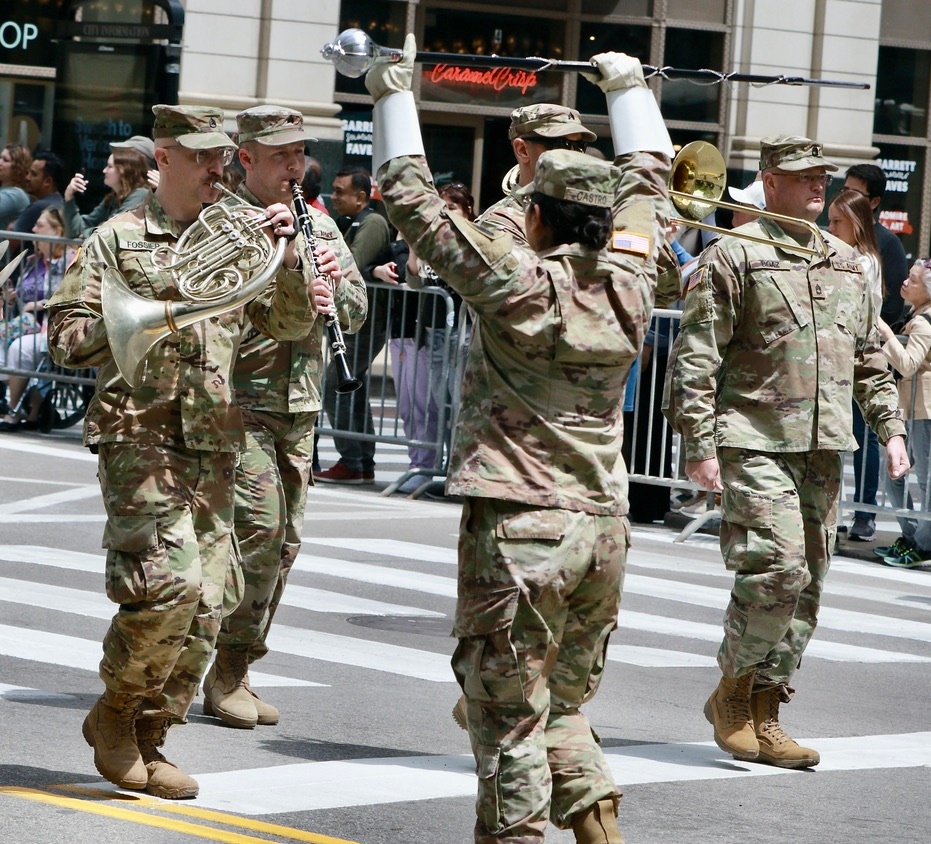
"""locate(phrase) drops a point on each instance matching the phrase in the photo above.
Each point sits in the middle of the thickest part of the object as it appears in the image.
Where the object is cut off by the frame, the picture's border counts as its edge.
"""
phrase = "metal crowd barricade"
(656, 455)
(23, 352)
(430, 357)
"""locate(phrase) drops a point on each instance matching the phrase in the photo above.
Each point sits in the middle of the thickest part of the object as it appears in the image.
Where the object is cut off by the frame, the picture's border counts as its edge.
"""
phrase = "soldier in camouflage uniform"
(167, 450)
(534, 129)
(277, 385)
(543, 538)
(772, 347)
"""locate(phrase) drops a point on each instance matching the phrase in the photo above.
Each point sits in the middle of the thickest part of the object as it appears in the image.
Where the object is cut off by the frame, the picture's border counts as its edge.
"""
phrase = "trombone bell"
(696, 184)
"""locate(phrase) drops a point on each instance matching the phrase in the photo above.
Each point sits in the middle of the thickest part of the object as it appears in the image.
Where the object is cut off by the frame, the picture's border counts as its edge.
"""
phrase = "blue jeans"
(869, 478)
(916, 531)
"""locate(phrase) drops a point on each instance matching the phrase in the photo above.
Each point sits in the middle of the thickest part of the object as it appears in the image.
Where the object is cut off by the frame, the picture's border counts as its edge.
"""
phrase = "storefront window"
(709, 11)
(449, 150)
(629, 8)
(682, 99)
(902, 92)
(901, 205)
(504, 35)
(385, 24)
(597, 38)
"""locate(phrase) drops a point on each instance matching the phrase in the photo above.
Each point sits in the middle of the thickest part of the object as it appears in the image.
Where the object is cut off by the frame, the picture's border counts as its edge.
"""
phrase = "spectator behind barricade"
(125, 174)
(444, 368)
(850, 218)
(870, 181)
(44, 183)
(15, 161)
(753, 197)
(312, 184)
(367, 235)
(410, 366)
(913, 362)
(140, 143)
(647, 447)
(22, 338)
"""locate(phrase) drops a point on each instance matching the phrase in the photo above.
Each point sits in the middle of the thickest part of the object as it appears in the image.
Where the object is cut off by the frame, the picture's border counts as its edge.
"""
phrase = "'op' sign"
(16, 36)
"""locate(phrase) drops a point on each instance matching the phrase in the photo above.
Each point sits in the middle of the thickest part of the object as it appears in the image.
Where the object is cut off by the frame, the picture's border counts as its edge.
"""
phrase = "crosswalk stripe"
(417, 663)
(84, 654)
(326, 647)
(312, 786)
(23, 693)
(694, 594)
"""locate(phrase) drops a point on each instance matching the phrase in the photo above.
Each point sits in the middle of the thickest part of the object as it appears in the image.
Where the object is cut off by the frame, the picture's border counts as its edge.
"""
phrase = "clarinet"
(345, 381)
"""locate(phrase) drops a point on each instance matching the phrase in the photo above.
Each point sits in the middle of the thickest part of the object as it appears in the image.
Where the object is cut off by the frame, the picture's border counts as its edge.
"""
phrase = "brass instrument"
(696, 185)
(345, 383)
(353, 53)
(222, 261)
(509, 181)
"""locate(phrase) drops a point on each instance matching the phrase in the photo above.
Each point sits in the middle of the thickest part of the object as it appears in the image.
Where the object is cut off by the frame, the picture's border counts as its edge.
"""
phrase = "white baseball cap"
(751, 195)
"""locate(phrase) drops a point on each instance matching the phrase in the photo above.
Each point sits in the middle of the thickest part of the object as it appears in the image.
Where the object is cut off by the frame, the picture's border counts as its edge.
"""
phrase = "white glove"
(388, 77)
(616, 71)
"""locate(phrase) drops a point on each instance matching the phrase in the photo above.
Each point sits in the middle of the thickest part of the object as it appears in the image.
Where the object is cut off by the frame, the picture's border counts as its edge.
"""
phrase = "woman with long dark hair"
(15, 161)
(125, 174)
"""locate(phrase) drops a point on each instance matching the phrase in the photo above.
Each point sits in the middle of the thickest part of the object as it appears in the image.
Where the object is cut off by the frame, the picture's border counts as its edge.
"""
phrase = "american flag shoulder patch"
(639, 244)
(695, 279)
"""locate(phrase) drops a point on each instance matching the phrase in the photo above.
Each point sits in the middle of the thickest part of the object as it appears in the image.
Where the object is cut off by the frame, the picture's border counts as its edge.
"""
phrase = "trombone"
(696, 185)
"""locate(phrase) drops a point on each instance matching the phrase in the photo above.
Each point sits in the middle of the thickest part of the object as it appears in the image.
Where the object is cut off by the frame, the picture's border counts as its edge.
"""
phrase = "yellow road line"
(167, 823)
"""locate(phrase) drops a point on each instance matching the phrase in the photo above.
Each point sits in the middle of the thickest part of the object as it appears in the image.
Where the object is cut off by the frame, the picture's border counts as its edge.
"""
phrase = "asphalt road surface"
(366, 750)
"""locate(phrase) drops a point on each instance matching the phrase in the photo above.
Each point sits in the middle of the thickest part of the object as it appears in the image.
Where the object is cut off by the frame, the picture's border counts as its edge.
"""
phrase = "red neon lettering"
(497, 78)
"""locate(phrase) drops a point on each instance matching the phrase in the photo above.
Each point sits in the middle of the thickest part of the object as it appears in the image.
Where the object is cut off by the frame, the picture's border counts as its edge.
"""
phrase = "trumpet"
(345, 383)
(696, 185)
(222, 261)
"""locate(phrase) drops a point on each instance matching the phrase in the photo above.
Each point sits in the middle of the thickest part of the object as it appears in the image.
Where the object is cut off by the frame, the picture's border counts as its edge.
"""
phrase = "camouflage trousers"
(271, 491)
(168, 541)
(778, 523)
(539, 591)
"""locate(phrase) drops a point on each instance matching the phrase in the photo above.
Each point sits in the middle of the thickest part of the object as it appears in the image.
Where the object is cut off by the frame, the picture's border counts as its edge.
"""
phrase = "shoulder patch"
(638, 244)
(695, 278)
(846, 266)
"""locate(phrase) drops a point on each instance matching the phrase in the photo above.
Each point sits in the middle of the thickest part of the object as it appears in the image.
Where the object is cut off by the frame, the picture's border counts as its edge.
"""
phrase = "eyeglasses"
(526, 200)
(220, 155)
(821, 179)
(855, 190)
(556, 143)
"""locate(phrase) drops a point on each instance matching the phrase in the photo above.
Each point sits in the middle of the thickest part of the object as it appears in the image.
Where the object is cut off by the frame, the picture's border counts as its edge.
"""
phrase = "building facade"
(241, 54)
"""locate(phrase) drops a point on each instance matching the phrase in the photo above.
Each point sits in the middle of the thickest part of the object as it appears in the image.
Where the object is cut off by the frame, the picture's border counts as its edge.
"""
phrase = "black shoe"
(863, 529)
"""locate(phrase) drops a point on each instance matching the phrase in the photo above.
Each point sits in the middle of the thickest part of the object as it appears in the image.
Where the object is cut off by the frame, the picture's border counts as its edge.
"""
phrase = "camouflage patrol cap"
(549, 121)
(573, 176)
(140, 143)
(791, 152)
(194, 127)
(271, 125)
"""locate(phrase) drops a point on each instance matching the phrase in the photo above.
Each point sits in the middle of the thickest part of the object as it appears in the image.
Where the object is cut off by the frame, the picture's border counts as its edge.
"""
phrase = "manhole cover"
(404, 624)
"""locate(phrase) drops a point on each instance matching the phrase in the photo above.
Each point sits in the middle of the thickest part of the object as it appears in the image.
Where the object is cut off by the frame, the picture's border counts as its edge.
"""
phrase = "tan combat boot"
(225, 693)
(598, 823)
(777, 748)
(166, 780)
(728, 710)
(267, 714)
(459, 713)
(110, 729)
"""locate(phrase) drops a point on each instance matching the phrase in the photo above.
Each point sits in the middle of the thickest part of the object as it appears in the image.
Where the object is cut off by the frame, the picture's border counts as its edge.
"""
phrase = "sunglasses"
(822, 179)
(556, 143)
